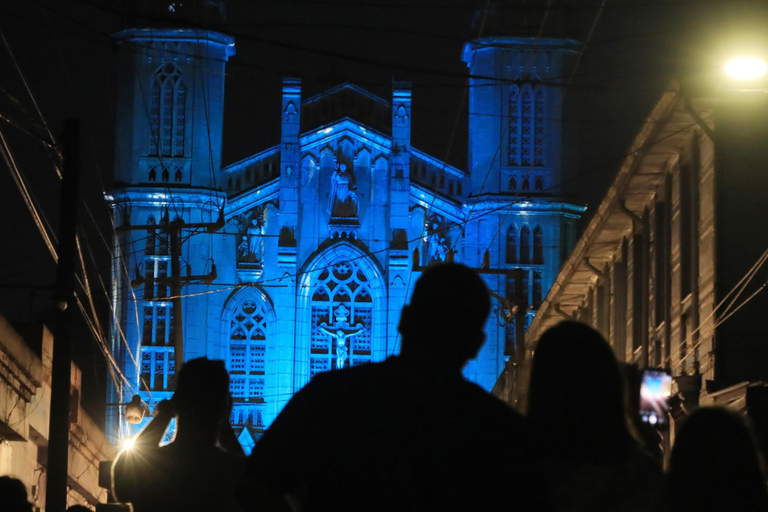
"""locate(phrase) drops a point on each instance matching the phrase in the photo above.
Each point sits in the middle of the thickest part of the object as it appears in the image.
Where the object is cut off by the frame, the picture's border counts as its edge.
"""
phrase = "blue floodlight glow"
(314, 264)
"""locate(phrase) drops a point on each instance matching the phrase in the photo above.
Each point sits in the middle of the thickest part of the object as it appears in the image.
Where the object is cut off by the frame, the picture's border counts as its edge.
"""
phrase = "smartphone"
(654, 397)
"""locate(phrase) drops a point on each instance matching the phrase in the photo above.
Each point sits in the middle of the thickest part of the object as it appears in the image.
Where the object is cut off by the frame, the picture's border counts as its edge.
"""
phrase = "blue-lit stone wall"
(325, 234)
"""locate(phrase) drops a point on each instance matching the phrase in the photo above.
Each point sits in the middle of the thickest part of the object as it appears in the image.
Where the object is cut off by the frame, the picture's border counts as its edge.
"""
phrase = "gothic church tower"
(166, 193)
(515, 219)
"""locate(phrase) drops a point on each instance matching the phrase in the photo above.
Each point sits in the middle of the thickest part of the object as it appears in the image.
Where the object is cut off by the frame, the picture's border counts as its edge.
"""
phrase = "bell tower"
(166, 191)
(519, 229)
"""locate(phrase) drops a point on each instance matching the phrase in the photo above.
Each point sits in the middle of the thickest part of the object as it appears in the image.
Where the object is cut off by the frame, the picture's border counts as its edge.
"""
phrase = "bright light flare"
(128, 443)
(746, 68)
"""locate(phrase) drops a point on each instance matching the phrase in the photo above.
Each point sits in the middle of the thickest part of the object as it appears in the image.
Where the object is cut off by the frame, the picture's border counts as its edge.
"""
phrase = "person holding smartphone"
(200, 469)
(576, 404)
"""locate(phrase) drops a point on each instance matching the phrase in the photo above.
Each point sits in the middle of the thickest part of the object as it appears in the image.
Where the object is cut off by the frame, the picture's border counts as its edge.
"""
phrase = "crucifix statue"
(340, 331)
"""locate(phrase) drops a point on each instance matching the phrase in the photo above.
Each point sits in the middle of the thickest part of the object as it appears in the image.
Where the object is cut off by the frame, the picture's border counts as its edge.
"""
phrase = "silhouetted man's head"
(202, 393)
(446, 316)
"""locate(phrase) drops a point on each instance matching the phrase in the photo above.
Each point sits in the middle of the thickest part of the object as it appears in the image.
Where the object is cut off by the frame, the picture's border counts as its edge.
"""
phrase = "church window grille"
(539, 128)
(152, 174)
(511, 245)
(155, 278)
(158, 324)
(177, 175)
(538, 245)
(248, 335)
(167, 113)
(525, 245)
(341, 302)
(512, 184)
(527, 121)
(166, 174)
(526, 184)
(537, 289)
(157, 367)
(538, 184)
(514, 126)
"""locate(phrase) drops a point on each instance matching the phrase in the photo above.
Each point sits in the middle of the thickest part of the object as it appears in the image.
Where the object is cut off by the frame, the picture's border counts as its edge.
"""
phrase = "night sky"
(64, 51)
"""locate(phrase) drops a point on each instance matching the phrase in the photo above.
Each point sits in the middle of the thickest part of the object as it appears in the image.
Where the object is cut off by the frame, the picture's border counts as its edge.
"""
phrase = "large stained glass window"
(514, 126)
(167, 112)
(247, 351)
(511, 244)
(342, 318)
(539, 129)
(527, 126)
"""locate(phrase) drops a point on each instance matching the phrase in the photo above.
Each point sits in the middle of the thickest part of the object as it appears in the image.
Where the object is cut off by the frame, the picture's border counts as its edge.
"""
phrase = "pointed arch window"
(539, 128)
(511, 244)
(526, 184)
(537, 292)
(512, 184)
(514, 126)
(247, 350)
(538, 245)
(167, 112)
(526, 121)
(342, 318)
(525, 245)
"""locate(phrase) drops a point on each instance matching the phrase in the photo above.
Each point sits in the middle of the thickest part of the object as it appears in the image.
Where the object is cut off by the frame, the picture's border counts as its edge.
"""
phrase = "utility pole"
(178, 325)
(61, 372)
(175, 281)
(521, 305)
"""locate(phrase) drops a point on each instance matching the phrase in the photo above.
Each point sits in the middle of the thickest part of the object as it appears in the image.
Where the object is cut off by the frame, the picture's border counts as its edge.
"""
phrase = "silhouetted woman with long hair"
(576, 405)
(715, 466)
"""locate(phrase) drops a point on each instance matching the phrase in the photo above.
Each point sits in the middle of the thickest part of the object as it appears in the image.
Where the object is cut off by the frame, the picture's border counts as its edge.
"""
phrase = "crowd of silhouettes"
(410, 433)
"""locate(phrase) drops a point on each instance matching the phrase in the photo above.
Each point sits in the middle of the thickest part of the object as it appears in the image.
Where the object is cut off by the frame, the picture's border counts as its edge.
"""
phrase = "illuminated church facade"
(298, 259)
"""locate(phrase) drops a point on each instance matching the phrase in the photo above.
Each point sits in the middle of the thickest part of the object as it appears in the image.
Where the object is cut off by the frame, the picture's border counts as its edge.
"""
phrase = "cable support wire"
(461, 224)
(738, 289)
(29, 201)
(366, 61)
(51, 142)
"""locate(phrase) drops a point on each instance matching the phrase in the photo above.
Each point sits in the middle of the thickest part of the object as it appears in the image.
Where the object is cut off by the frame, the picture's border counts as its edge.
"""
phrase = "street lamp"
(746, 68)
(128, 443)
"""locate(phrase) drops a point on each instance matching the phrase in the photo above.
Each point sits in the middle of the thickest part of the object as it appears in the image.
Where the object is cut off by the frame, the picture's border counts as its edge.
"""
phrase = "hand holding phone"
(654, 397)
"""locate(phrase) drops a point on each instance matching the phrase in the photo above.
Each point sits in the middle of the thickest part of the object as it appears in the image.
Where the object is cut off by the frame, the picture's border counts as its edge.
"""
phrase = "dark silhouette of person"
(576, 405)
(408, 433)
(200, 469)
(715, 466)
(13, 495)
(78, 508)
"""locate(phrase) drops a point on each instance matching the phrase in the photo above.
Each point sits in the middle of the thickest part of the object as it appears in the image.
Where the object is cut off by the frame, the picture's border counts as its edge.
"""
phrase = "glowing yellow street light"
(128, 443)
(746, 68)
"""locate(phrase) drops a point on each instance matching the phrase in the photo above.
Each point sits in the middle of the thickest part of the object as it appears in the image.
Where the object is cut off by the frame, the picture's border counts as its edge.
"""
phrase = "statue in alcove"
(343, 200)
(250, 250)
(437, 244)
